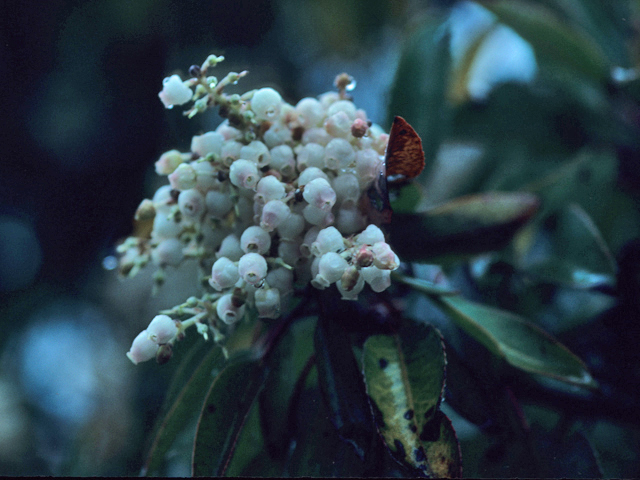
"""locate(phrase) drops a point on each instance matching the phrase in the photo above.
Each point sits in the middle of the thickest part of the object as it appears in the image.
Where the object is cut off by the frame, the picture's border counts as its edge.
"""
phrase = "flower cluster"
(268, 201)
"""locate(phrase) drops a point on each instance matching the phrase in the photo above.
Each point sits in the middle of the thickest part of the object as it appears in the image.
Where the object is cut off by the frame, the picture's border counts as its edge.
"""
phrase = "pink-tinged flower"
(142, 348)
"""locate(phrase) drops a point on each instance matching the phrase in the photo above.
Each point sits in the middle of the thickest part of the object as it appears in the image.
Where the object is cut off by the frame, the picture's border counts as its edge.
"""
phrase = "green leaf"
(552, 39)
(223, 415)
(442, 448)
(339, 377)
(183, 409)
(319, 451)
(578, 257)
(404, 375)
(425, 286)
(285, 365)
(419, 90)
(519, 342)
(467, 225)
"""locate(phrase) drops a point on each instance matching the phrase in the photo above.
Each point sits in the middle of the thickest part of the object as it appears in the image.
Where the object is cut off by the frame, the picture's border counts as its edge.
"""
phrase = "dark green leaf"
(404, 375)
(425, 286)
(340, 379)
(467, 225)
(183, 409)
(319, 451)
(285, 365)
(223, 416)
(521, 343)
(552, 40)
(581, 257)
(419, 90)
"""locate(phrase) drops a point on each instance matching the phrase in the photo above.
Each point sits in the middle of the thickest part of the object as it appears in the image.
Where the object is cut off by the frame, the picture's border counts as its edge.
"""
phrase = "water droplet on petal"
(169, 107)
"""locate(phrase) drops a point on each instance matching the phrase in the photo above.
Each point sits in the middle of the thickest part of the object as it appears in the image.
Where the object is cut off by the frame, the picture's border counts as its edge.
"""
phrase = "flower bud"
(174, 92)
(310, 155)
(359, 128)
(269, 188)
(165, 227)
(384, 258)
(328, 240)
(168, 162)
(252, 267)
(256, 152)
(338, 125)
(368, 166)
(244, 173)
(191, 203)
(266, 104)
(142, 348)
(370, 236)
(289, 251)
(218, 203)
(311, 173)
(346, 187)
(282, 160)
(377, 279)
(145, 211)
(363, 257)
(162, 199)
(309, 238)
(316, 135)
(319, 193)
(331, 267)
(227, 311)
(273, 214)
(255, 239)
(230, 152)
(162, 329)
(183, 178)
(230, 248)
(292, 227)
(277, 134)
(349, 219)
(267, 302)
(345, 106)
(317, 216)
(282, 279)
(310, 112)
(210, 142)
(168, 252)
(224, 274)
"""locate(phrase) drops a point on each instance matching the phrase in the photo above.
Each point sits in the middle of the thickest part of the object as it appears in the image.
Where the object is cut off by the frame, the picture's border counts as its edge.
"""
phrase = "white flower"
(142, 348)
(174, 92)
(162, 329)
(252, 267)
(224, 274)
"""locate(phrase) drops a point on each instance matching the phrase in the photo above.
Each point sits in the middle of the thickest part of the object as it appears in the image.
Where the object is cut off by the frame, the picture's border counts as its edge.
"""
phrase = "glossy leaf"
(425, 286)
(419, 90)
(404, 375)
(223, 416)
(286, 363)
(521, 343)
(552, 39)
(340, 380)
(183, 409)
(580, 257)
(467, 225)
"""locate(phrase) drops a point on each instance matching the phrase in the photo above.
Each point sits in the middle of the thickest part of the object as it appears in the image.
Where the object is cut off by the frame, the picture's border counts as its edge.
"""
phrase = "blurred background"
(538, 96)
